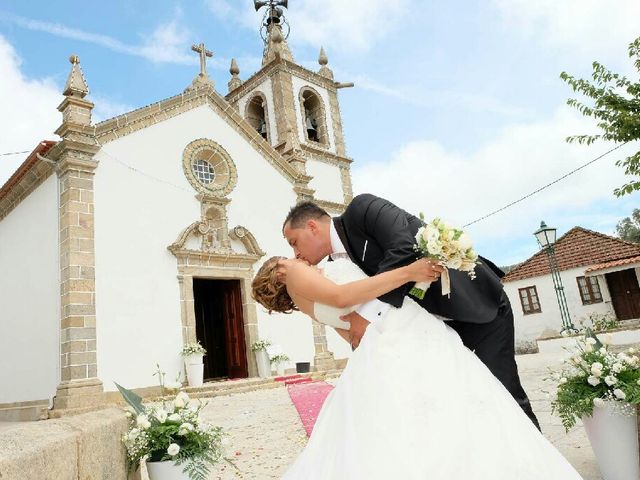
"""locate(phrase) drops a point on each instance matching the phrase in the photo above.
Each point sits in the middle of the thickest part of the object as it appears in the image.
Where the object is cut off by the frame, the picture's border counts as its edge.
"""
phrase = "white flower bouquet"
(593, 374)
(450, 247)
(279, 358)
(171, 431)
(260, 345)
(193, 348)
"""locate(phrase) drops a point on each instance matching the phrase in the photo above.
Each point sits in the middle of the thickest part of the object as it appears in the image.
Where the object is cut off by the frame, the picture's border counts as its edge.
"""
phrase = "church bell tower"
(294, 109)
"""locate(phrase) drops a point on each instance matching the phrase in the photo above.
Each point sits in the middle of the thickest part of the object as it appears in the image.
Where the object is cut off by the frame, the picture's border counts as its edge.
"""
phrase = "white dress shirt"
(373, 310)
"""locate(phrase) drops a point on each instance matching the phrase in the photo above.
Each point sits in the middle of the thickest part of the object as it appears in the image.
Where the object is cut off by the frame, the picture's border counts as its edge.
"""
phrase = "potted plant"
(259, 348)
(279, 360)
(603, 389)
(170, 437)
(193, 353)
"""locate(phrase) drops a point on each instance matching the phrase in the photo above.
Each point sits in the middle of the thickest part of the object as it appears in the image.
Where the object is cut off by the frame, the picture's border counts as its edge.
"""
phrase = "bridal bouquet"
(450, 247)
(592, 375)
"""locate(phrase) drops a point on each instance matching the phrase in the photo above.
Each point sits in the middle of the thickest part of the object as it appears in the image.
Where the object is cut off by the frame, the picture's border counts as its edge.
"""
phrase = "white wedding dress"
(415, 403)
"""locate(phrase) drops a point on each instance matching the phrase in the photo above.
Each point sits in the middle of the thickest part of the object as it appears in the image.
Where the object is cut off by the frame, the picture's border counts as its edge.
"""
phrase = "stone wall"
(82, 447)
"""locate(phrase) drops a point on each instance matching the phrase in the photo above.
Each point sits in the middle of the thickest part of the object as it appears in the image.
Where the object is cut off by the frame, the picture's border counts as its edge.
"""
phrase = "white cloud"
(420, 97)
(33, 105)
(168, 43)
(592, 27)
(425, 176)
(106, 108)
(30, 110)
(355, 25)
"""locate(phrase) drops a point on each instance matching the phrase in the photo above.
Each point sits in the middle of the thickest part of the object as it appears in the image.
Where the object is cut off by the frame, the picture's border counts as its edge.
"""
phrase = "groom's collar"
(336, 243)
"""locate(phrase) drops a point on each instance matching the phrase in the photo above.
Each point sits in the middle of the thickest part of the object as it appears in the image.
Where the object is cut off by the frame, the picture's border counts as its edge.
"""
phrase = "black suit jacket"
(379, 236)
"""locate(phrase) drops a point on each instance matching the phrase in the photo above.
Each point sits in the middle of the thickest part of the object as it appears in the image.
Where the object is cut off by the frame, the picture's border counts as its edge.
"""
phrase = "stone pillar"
(185, 283)
(323, 359)
(347, 190)
(336, 119)
(284, 108)
(79, 384)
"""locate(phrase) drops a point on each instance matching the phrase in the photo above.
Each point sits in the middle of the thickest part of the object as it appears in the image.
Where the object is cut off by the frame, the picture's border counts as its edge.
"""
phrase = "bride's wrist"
(407, 277)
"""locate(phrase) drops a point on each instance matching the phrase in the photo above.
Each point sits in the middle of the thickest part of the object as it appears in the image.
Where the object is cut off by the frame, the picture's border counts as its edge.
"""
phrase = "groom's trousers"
(493, 344)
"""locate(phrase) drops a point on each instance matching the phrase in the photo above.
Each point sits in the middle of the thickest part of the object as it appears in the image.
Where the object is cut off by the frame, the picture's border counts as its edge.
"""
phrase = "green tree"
(629, 228)
(616, 108)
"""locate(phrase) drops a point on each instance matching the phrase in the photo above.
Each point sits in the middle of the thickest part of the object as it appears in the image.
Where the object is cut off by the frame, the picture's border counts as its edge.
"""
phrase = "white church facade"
(128, 238)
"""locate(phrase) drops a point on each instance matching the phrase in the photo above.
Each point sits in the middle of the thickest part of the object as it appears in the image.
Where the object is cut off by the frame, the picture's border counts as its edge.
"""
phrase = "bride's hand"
(424, 270)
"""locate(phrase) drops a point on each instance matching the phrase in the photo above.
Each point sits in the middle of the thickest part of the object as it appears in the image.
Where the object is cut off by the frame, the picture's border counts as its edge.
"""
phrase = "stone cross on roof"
(204, 53)
(202, 79)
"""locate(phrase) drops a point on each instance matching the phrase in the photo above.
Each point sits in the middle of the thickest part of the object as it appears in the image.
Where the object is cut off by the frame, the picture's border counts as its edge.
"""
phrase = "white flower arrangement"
(193, 348)
(260, 345)
(171, 430)
(449, 246)
(279, 358)
(592, 374)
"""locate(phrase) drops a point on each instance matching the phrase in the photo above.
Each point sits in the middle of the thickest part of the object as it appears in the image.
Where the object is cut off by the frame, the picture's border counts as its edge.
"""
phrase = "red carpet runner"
(308, 398)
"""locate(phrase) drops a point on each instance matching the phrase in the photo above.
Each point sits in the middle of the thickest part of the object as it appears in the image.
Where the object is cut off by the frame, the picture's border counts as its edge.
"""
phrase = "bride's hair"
(271, 293)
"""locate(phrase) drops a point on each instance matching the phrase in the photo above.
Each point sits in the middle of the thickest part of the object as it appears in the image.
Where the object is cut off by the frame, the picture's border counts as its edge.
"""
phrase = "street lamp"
(546, 237)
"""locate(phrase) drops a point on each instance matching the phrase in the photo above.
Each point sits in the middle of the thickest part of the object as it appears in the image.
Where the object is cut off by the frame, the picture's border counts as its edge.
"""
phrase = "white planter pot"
(166, 470)
(264, 365)
(613, 433)
(280, 369)
(195, 374)
(194, 359)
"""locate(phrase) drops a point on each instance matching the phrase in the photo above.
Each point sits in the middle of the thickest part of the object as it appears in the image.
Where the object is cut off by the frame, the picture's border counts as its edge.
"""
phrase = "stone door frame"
(213, 266)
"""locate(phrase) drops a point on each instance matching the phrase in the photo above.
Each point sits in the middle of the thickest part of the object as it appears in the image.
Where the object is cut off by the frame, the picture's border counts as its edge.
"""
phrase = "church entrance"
(220, 328)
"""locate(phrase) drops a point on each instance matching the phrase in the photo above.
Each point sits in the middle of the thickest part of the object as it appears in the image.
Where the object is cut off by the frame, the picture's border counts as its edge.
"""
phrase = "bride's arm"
(344, 334)
(308, 282)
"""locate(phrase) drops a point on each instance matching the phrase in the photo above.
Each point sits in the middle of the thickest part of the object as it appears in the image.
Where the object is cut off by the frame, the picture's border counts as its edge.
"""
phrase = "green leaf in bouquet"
(588, 333)
(132, 399)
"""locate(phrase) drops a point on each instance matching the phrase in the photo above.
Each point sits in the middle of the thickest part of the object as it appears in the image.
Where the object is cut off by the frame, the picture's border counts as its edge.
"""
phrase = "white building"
(128, 238)
(600, 274)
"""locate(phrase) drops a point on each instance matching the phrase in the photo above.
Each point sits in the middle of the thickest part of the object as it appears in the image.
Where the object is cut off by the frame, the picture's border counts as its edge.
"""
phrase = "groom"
(379, 236)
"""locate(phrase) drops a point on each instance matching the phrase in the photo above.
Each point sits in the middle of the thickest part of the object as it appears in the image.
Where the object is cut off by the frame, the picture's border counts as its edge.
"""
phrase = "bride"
(413, 401)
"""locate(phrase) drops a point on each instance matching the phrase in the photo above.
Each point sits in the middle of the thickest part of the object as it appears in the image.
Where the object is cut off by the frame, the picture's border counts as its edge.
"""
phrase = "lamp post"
(546, 237)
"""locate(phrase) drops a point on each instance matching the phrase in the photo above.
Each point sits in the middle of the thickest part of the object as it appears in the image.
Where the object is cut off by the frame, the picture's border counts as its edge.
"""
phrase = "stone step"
(229, 387)
(208, 390)
(67, 412)
(24, 413)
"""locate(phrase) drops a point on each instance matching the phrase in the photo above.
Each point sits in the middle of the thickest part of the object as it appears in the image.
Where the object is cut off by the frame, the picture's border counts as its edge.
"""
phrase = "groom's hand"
(358, 326)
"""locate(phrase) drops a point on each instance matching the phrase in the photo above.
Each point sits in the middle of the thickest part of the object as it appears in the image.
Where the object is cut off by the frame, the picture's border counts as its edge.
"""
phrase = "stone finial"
(276, 47)
(76, 85)
(323, 60)
(234, 70)
(276, 35)
(75, 109)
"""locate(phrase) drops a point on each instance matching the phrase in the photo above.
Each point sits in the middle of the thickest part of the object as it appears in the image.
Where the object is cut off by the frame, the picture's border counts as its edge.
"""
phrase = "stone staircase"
(229, 387)
(208, 390)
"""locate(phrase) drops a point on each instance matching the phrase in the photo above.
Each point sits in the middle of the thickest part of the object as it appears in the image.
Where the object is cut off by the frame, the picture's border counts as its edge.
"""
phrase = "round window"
(209, 168)
(203, 171)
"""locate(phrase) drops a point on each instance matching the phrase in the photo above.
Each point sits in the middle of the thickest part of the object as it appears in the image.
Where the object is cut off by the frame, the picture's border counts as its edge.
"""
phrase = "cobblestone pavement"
(266, 434)
(574, 445)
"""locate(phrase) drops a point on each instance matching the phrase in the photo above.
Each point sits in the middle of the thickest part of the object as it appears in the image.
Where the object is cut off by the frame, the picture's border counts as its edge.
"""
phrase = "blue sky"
(458, 107)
